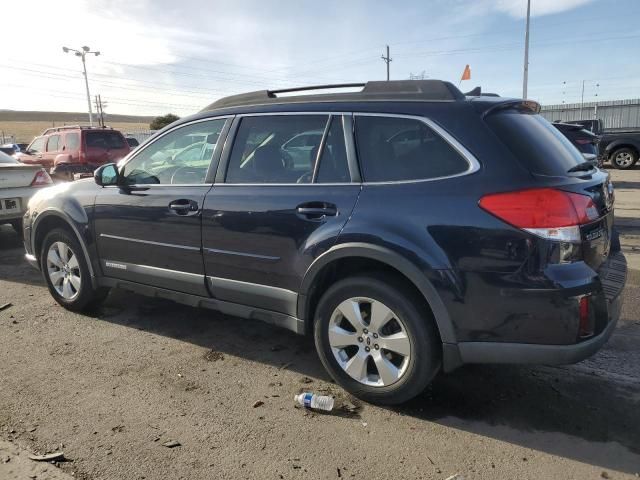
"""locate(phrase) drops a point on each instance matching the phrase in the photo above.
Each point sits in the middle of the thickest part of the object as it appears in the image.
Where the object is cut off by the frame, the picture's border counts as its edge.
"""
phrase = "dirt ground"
(110, 389)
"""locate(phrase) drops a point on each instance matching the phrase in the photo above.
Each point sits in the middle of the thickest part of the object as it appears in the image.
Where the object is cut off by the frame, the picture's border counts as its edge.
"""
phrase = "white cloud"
(518, 8)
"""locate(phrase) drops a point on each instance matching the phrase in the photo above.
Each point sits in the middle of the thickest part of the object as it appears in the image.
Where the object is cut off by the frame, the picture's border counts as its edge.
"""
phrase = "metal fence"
(615, 114)
(140, 135)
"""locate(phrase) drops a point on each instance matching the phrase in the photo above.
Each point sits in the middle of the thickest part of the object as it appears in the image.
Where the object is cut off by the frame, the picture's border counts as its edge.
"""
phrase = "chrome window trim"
(474, 164)
(149, 242)
(154, 138)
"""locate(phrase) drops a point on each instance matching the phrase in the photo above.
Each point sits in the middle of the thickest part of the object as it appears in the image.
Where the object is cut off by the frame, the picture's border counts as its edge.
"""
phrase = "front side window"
(396, 149)
(37, 146)
(276, 149)
(176, 158)
(53, 143)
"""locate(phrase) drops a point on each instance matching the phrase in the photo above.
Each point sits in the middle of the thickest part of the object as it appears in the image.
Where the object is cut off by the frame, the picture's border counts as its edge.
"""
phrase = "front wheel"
(624, 158)
(378, 342)
(66, 272)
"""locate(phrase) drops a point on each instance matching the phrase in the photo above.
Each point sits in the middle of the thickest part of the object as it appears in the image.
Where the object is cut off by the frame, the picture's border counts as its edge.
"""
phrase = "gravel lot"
(110, 389)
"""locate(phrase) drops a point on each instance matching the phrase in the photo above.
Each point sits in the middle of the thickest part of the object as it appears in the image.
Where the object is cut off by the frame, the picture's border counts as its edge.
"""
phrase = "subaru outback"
(414, 230)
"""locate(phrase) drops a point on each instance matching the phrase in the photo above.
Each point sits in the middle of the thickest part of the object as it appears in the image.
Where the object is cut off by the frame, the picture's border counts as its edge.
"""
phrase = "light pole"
(82, 53)
(525, 76)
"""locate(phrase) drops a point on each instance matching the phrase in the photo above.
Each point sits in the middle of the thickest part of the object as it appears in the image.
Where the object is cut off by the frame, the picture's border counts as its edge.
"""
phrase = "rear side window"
(53, 143)
(396, 148)
(72, 141)
(276, 149)
(104, 140)
(541, 147)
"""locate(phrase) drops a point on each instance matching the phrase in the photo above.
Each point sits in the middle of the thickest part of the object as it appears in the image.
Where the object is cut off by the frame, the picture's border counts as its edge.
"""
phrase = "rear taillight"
(41, 179)
(546, 212)
(586, 141)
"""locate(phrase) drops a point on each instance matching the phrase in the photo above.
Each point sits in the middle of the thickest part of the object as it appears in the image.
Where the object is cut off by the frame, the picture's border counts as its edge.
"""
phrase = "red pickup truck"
(64, 151)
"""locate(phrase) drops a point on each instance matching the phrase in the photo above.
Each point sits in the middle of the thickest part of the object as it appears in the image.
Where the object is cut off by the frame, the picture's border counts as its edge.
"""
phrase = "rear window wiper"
(582, 167)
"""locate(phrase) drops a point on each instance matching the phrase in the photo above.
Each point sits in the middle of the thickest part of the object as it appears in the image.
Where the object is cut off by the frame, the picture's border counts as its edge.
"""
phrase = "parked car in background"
(584, 140)
(18, 182)
(420, 231)
(65, 151)
(16, 147)
(133, 142)
(621, 147)
(7, 150)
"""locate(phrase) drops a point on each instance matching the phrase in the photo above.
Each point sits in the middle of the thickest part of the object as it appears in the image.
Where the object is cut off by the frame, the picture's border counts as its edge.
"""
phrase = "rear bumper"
(21, 193)
(612, 279)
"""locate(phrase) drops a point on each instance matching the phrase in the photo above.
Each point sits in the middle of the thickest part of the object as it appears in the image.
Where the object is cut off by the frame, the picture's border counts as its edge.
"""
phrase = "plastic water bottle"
(311, 400)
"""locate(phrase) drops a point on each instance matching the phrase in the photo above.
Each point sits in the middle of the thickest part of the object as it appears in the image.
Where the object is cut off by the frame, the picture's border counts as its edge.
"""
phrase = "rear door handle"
(317, 210)
(184, 206)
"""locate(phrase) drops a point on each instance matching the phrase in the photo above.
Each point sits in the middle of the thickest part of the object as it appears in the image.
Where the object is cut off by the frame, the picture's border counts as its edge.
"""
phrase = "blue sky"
(160, 55)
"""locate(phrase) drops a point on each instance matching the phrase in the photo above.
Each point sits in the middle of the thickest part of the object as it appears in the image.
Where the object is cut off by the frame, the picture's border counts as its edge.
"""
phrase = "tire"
(409, 322)
(17, 226)
(67, 275)
(624, 158)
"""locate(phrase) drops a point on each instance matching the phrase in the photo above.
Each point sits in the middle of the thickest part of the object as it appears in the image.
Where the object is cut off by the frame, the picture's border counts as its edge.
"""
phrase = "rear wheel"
(66, 272)
(378, 342)
(624, 158)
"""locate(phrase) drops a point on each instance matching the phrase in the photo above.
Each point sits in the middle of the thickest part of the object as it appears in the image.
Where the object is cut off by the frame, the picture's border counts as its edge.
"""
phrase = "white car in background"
(18, 182)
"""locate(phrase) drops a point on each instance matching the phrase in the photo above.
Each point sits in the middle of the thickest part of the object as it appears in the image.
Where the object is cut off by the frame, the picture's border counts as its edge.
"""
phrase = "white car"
(18, 182)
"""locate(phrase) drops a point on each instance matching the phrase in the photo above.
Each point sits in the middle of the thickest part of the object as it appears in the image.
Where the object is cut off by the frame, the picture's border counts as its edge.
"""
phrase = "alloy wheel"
(369, 341)
(63, 270)
(624, 159)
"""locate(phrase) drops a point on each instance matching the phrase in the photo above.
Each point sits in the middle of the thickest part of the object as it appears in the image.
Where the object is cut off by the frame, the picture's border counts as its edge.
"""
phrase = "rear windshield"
(105, 139)
(541, 147)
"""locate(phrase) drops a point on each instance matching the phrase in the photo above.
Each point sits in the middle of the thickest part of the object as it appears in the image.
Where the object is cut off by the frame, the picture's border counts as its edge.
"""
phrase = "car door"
(54, 145)
(148, 230)
(34, 152)
(267, 218)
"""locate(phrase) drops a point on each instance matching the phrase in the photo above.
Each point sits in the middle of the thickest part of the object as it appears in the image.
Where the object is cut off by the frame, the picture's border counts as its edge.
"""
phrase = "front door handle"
(317, 210)
(184, 206)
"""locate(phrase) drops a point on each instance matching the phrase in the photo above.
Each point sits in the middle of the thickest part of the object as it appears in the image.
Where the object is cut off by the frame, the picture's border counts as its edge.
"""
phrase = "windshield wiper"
(582, 167)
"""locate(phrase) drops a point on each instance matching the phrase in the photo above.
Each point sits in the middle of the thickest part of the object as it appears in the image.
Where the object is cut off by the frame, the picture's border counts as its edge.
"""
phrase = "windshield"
(541, 147)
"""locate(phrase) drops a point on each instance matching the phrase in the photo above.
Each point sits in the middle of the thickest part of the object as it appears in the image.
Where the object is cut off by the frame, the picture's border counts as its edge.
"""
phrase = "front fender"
(55, 202)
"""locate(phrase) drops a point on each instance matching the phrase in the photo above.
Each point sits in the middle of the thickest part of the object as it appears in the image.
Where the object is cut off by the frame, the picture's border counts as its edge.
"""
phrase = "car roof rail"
(400, 90)
(74, 127)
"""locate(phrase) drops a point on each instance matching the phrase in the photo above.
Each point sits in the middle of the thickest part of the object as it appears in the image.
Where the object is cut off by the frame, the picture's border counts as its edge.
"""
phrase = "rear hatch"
(104, 146)
(557, 165)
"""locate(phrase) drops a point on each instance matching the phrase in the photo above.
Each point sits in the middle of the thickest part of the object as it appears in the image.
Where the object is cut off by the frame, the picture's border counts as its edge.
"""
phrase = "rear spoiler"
(524, 106)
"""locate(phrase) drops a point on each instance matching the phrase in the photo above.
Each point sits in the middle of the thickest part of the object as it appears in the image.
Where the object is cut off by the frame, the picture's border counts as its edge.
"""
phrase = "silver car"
(18, 182)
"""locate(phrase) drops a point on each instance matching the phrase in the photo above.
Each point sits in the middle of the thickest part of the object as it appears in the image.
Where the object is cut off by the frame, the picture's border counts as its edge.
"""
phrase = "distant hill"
(22, 126)
(66, 117)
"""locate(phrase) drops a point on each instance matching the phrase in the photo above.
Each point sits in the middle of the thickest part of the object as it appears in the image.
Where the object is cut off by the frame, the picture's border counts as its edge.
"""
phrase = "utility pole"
(99, 110)
(525, 80)
(387, 60)
(82, 54)
(582, 100)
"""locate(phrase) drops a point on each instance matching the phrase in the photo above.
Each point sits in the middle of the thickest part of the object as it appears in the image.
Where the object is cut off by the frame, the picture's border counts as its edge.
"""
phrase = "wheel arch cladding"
(371, 256)
(53, 218)
(614, 146)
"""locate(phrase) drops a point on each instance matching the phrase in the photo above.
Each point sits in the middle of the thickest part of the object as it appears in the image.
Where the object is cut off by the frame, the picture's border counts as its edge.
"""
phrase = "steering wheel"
(189, 173)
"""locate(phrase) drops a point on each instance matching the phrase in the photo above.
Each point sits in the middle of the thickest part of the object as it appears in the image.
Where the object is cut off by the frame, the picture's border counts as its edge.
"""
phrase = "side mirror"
(106, 175)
